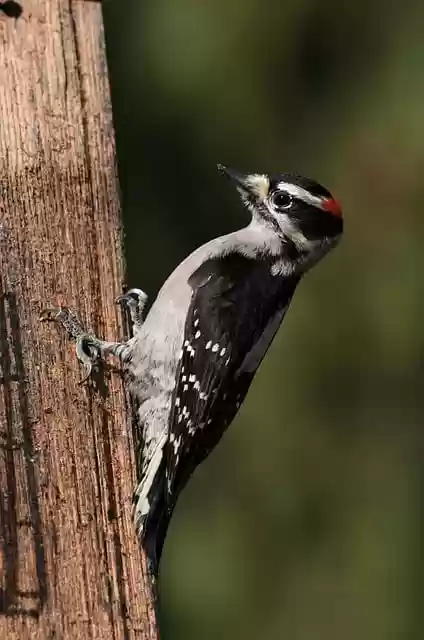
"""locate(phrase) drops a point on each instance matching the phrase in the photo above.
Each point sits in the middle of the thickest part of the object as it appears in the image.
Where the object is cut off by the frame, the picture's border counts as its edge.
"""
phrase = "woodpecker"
(190, 363)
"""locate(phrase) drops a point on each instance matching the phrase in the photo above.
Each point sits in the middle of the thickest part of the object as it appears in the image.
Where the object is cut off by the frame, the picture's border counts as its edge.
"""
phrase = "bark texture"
(70, 566)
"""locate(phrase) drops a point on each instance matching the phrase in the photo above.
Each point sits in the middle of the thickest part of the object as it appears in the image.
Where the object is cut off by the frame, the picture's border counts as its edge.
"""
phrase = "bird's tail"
(151, 511)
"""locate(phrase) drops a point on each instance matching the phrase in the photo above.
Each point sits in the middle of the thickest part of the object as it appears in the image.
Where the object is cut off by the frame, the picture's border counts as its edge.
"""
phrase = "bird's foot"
(135, 301)
(89, 349)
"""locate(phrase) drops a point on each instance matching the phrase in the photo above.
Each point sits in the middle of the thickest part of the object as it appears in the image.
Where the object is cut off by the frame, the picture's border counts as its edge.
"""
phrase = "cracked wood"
(70, 566)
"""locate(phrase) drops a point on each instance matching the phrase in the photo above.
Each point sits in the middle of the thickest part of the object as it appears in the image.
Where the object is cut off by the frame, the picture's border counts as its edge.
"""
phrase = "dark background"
(307, 521)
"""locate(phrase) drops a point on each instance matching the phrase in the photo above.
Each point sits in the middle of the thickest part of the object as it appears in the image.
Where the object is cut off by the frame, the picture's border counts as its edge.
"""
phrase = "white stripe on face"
(302, 194)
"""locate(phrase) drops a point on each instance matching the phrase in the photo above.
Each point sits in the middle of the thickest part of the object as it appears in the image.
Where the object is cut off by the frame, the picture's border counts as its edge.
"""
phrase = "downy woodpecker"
(192, 360)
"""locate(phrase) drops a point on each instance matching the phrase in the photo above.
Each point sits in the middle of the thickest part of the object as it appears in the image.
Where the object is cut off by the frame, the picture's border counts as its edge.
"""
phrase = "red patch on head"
(332, 206)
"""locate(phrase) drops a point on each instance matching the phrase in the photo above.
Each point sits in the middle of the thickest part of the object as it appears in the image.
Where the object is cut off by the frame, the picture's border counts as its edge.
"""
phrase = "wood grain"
(70, 566)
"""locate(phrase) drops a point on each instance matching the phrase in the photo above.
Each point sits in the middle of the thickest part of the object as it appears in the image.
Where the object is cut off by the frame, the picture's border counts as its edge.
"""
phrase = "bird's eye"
(282, 200)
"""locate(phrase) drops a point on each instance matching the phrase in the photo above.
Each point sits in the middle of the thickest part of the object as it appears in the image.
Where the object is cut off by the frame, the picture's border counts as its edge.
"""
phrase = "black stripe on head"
(315, 223)
(313, 187)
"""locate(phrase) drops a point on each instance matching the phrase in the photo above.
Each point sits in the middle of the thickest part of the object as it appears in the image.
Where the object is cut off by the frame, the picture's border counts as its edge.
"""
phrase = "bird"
(190, 362)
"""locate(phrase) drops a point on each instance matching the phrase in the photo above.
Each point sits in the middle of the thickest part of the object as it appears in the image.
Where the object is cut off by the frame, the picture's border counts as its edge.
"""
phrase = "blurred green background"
(307, 521)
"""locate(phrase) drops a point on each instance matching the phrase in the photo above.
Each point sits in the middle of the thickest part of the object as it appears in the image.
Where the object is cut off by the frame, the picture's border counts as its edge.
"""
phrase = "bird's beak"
(253, 186)
(236, 176)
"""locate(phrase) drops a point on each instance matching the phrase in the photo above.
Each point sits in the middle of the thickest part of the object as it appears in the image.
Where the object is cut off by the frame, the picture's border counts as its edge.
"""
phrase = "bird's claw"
(134, 300)
(66, 317)
(88, 353)
(87, 349)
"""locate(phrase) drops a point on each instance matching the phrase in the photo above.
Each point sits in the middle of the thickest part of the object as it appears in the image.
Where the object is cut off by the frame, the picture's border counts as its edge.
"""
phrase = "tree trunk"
(70, 566)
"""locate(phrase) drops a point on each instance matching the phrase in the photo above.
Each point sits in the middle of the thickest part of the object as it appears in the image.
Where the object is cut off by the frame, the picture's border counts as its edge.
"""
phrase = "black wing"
(234, 298)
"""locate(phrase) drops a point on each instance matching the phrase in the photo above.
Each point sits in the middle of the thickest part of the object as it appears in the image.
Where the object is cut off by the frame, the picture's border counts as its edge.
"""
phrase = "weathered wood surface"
(70, 566)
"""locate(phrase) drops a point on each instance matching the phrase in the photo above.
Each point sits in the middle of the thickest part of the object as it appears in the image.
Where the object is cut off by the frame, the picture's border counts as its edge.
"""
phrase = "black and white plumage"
(234, 305)
(209, 329)
(192, 360)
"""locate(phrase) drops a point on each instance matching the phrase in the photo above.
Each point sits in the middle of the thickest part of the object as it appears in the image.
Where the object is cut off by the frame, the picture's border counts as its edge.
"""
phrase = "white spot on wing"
(208, 344)
(215, 347)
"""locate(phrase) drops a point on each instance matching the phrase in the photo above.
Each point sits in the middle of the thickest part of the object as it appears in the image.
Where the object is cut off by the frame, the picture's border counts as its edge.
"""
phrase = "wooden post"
(70, 566)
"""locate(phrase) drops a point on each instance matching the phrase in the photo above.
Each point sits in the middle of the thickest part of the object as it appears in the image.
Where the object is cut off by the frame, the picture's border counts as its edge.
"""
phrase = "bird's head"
(302, 212)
